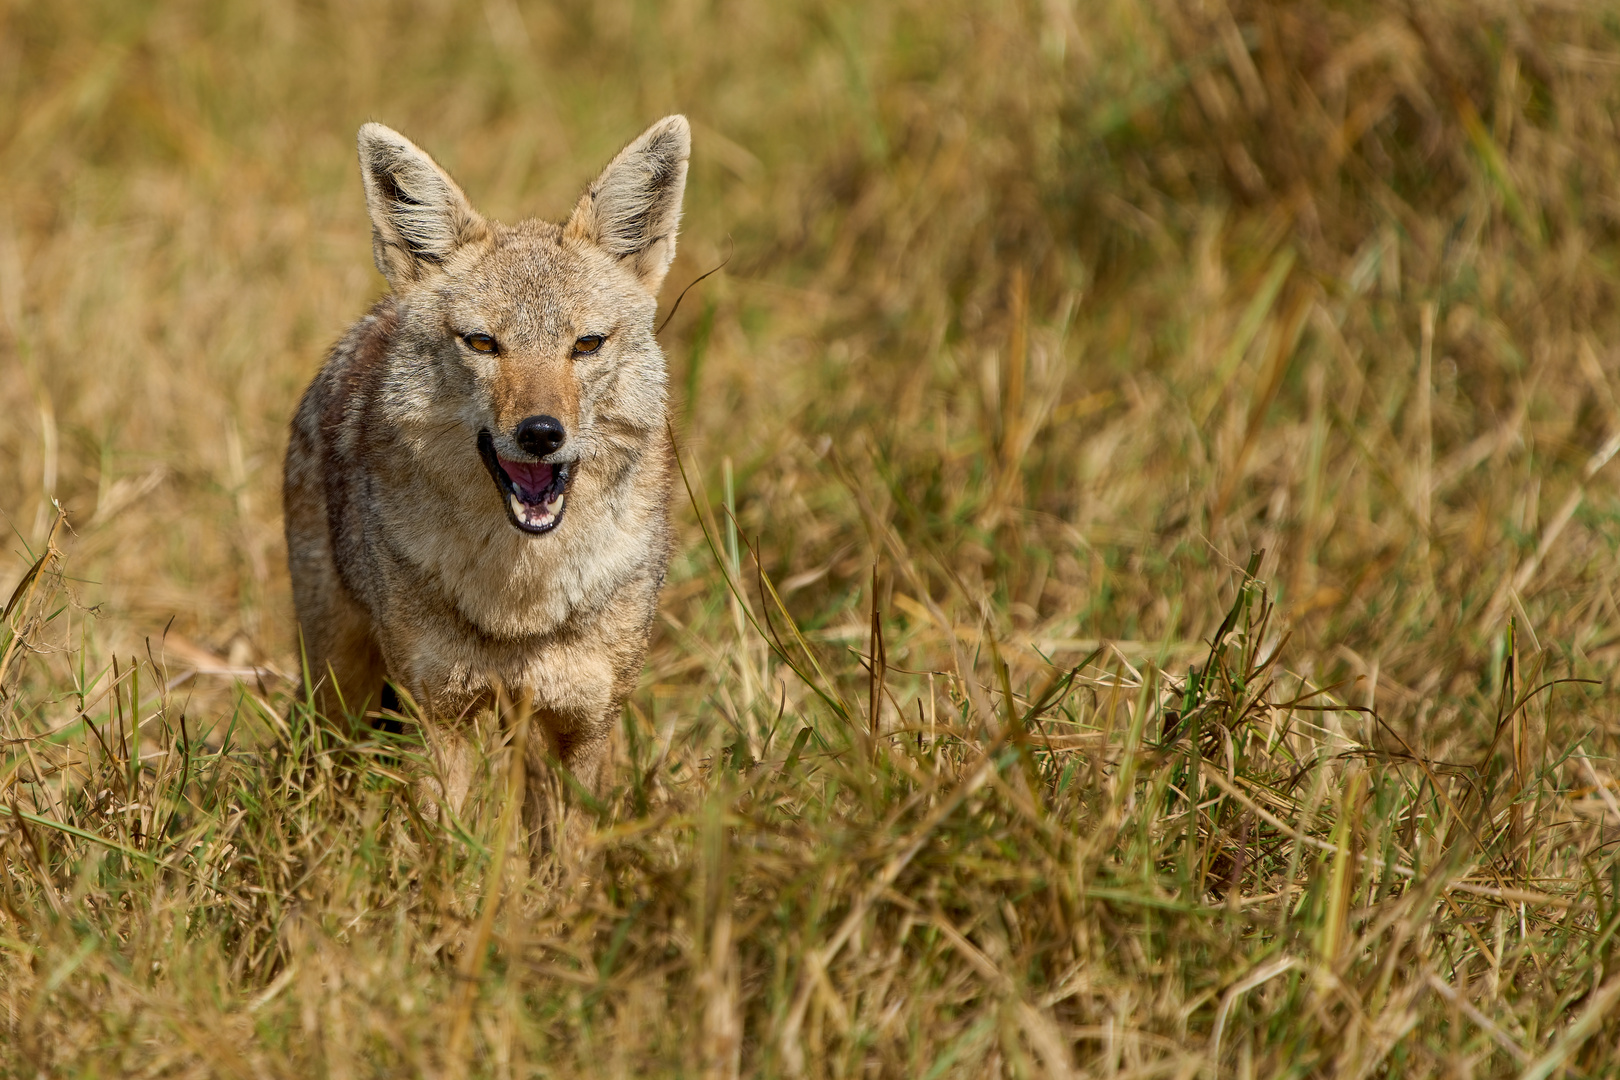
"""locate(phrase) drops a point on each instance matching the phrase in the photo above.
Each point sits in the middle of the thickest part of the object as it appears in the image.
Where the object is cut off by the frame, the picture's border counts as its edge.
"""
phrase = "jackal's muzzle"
(534, 492)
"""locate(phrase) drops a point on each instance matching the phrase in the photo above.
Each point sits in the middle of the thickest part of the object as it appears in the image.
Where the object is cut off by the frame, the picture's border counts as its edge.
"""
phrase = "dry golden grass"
(1145, 604)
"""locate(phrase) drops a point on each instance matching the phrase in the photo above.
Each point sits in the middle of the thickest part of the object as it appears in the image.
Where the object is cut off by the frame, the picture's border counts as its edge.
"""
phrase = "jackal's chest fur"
(506, 585)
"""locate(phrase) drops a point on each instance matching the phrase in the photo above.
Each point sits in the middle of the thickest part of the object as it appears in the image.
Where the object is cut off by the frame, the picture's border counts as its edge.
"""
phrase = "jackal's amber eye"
(479, 342)
(588, 344)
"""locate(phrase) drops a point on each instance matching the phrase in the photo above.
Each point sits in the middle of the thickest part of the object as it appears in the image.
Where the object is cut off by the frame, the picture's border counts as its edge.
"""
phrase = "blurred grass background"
(1040, 320)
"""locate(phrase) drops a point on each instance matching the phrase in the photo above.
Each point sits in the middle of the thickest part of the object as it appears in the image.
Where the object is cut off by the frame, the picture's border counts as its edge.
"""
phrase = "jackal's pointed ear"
(632, 210)
(419, 217)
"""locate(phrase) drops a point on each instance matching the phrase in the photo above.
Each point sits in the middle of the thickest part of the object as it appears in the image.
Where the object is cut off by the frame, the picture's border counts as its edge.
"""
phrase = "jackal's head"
(529, 345)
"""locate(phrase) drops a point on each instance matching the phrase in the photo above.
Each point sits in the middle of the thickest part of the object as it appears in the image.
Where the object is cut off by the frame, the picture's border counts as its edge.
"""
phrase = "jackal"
(478, 479)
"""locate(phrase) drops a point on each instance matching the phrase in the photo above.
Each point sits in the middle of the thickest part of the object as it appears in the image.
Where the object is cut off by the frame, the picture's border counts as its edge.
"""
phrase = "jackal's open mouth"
(534, 492)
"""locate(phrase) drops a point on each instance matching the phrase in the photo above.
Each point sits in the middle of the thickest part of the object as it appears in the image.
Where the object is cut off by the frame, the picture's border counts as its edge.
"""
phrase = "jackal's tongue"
(530, 478)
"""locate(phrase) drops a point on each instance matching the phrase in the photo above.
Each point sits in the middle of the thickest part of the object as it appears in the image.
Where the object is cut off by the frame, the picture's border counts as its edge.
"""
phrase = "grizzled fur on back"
(477, 481)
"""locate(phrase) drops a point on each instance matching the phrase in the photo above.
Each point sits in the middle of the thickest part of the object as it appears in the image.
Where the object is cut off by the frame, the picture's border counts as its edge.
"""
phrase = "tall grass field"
(1145, 594)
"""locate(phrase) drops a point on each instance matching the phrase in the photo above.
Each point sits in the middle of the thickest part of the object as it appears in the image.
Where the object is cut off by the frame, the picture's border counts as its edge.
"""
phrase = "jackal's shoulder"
(350, 375)
(325, 454)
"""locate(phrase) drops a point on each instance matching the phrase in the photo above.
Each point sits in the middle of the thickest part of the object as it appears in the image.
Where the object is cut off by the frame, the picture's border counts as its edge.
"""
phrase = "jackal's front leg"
(563, 772)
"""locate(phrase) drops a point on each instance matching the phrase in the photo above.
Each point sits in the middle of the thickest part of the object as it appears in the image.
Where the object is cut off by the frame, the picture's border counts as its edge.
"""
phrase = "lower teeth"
(534, 515)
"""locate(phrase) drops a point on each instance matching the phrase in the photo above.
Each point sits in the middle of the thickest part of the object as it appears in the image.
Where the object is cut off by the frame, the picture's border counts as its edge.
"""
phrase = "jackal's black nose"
(540, 435)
